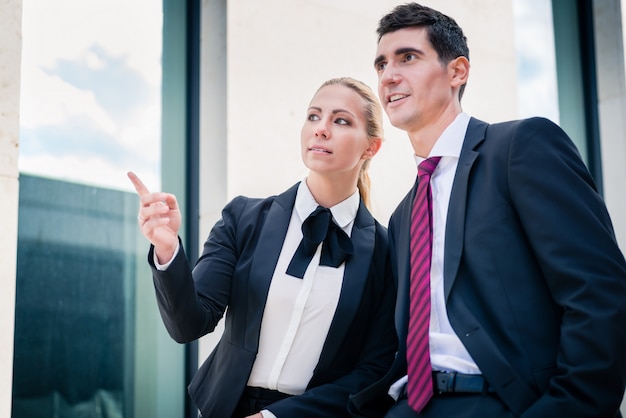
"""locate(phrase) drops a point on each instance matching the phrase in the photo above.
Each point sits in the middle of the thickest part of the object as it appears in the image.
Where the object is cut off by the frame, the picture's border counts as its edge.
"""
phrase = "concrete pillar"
(612, 109)
(10, 59)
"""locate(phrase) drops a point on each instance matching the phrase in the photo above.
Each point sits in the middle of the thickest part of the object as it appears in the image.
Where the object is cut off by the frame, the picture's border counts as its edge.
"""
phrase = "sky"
(90, 90)
(91, 85)
(536, 62)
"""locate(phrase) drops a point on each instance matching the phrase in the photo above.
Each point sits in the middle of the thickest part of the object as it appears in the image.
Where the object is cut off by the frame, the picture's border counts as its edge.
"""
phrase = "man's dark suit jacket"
(235, 272)
(535, 284)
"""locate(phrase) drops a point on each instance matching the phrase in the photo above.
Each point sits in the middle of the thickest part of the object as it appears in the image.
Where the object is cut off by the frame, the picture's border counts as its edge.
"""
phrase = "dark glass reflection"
(74, 323)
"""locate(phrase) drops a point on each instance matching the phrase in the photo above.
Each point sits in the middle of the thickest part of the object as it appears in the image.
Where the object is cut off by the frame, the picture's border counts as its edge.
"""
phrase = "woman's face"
(334, 135)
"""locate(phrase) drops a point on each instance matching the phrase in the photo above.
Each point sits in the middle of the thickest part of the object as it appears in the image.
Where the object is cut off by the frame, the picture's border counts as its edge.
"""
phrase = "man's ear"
(458, 69)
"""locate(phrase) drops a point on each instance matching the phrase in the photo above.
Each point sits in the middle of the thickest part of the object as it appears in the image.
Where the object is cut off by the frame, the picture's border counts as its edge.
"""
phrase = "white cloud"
(47, 100)
(66, 29)
(144, 134)
(538, 95)
(56, 31)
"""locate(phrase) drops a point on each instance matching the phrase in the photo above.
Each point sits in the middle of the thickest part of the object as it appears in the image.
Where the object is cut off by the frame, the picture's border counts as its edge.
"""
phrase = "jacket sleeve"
(569, 229)
(192, 303)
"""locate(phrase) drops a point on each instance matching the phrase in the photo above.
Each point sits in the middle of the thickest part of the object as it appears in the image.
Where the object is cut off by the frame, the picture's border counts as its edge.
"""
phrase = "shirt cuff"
(163, 267)
(396, 389)
(267, 414)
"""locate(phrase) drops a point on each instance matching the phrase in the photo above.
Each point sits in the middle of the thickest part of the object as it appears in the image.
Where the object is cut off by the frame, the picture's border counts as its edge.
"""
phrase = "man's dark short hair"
(445, 35)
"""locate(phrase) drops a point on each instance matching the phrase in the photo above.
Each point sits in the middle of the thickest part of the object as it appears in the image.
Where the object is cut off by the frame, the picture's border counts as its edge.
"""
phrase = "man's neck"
(423, 138)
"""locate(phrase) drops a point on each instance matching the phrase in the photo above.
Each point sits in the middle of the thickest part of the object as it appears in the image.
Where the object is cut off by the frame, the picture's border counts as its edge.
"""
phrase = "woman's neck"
(330, 190)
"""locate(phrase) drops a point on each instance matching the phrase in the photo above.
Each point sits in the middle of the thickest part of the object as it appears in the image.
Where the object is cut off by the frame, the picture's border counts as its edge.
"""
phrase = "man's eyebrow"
(378, 60)
(407, 49)
(399, 51)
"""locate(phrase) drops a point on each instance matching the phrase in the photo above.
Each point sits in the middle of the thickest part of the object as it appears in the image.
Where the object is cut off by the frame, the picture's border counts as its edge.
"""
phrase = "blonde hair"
(373, 116)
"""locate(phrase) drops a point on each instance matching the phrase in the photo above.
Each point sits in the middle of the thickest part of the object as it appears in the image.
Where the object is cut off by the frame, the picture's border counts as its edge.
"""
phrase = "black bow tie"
(318, 227)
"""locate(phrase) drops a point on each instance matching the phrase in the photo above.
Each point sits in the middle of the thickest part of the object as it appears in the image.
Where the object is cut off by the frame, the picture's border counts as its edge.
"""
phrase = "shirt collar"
(451, 140)
(343, 212)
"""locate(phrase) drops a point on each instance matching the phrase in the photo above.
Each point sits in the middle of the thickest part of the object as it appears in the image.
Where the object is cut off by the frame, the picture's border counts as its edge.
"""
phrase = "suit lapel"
(269, 245)
(354, 280)
(402, 248)
(513, 390)
(455, 224)
(265, 258)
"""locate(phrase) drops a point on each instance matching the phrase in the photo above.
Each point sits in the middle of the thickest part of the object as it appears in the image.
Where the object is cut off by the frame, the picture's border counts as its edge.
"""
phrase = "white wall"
(280, 51)
(10, 58)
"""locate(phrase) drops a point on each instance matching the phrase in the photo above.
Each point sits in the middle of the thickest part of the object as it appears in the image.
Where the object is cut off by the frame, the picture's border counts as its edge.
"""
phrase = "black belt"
(453, 382)
(264, 394)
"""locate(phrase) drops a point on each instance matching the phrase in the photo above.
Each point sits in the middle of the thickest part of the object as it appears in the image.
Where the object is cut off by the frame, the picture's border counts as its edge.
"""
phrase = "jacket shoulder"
(243, 207)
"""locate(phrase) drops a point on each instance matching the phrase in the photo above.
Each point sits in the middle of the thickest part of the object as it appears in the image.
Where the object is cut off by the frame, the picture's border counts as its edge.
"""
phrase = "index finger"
(139, 186)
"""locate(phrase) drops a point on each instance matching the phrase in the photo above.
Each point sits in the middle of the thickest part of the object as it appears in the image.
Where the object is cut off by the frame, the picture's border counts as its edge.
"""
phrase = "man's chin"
(399, 121)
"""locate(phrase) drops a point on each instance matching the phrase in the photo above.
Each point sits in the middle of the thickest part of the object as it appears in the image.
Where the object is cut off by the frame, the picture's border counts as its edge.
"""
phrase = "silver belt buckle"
(444, 381)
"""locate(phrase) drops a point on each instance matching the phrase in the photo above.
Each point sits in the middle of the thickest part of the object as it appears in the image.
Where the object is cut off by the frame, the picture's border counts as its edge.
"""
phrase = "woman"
(307, 324)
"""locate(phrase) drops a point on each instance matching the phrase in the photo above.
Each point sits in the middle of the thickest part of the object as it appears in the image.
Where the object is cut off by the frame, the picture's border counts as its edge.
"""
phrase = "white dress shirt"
(447, 352)
(298, 312)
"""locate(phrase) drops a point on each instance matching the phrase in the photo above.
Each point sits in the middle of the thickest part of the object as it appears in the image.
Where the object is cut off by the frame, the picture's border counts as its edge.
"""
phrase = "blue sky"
(90, 90)
(536, 65)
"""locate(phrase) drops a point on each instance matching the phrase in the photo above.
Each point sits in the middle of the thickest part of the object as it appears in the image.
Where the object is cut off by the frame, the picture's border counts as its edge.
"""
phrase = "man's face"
(414, 87)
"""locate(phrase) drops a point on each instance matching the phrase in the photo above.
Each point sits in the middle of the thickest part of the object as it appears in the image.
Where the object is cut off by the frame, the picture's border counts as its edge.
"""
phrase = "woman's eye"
(342, 121)
(313, 116)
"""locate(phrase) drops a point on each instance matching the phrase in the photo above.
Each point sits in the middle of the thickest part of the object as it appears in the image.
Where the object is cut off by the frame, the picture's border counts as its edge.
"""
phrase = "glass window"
(90, 90)
(536, 59)
(88, 337)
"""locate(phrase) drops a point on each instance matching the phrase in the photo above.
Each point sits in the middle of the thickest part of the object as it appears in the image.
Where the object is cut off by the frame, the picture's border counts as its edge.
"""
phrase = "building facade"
(237, 77)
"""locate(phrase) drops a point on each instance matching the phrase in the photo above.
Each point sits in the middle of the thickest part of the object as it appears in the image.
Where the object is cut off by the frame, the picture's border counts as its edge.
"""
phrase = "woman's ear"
(374, 147)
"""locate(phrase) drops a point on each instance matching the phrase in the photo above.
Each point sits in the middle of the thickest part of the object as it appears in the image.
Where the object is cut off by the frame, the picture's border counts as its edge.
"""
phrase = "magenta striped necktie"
(419, 369)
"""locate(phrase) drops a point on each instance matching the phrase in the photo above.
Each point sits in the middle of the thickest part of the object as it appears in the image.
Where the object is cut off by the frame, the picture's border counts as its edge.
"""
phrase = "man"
(525, 284)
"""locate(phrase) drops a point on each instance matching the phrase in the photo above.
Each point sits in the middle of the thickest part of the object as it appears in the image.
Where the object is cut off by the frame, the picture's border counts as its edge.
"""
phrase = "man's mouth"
(396, 97)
